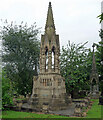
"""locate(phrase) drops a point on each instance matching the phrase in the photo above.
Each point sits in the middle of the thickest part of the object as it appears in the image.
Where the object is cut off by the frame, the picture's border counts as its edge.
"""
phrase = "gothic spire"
(50, 20)
(93, 63)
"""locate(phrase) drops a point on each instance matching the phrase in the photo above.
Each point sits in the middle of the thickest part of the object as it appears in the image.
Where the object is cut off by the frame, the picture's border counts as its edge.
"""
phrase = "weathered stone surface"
(84, 114)
(49, 92)
(69, 111)
(78, 110)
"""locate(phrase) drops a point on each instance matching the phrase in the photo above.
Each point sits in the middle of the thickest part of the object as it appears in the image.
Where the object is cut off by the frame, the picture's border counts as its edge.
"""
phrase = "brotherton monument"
(49, 92)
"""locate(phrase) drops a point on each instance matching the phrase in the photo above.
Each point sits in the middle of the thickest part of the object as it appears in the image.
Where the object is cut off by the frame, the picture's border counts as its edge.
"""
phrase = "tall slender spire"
(93, 63)
(94, 79)
(50, 19)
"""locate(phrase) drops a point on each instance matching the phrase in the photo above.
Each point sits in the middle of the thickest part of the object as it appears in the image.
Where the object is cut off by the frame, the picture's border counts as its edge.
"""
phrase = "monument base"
(49, 93)
(95, 95)
(45, 104)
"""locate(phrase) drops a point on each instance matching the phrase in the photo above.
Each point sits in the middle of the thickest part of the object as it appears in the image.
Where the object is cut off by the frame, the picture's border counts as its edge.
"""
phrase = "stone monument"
(49, 92)
(94, 79)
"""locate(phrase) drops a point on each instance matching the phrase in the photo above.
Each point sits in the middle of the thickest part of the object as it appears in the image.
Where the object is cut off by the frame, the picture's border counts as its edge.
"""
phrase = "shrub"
(6, 91)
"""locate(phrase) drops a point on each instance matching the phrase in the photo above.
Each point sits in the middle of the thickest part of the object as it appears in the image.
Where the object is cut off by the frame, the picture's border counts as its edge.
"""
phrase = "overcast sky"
(75, 20)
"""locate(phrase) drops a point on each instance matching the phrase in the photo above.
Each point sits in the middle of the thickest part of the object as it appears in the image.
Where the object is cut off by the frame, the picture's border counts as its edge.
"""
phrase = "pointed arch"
(93, 81)
(94, 85)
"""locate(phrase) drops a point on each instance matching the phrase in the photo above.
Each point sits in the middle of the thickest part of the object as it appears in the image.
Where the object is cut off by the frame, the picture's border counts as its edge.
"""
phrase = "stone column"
(97, 88)
(58, 65)
(90, 88)
(43, 61)
(56, 62)
(40, 62)
(49, 61)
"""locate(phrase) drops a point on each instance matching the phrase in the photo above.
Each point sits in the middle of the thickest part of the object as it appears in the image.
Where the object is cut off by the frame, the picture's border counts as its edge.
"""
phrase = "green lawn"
(14, 114)
(94, 112)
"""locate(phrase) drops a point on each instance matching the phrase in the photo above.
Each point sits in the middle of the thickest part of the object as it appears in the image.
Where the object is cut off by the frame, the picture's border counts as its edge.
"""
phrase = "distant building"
(102, 12)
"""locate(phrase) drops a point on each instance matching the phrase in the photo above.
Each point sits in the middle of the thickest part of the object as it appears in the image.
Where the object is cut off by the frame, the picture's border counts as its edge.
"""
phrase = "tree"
(20, 55)
(99, 56)
(76, 63)
(100, 17)
(6, 91)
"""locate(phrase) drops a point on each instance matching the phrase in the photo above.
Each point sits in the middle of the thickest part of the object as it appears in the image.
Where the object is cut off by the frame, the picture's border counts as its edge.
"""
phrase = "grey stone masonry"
(49, 92)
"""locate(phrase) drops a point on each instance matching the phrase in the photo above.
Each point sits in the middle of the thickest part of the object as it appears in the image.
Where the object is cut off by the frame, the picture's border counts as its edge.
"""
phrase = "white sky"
(75, 20)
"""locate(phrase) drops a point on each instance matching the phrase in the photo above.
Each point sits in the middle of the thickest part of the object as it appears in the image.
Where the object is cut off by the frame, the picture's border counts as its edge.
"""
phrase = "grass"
(94, 112)
(14, 114)
(20, 98)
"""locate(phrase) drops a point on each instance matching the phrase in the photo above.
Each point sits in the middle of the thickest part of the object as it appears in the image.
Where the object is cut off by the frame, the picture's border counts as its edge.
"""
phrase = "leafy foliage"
(76, 63)
(6, 90)
(20, 55)
(101, 34)
(99, 56)
(100, 17)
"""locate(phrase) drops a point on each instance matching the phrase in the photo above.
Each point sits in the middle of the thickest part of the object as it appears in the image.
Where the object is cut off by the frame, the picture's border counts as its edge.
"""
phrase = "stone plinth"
(95, 95)
(49, 93)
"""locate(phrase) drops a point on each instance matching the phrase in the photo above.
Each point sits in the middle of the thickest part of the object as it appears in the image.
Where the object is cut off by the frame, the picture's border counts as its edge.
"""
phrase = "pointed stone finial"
(94, 78)
(49, 4)
(50, 19)
(93, 46)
